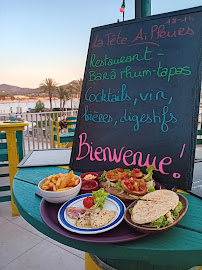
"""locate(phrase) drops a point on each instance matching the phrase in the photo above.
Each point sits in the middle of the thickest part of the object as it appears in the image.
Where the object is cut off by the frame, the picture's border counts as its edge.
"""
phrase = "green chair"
(71, 123)
(64, 140)
(199, 136)
(4, 160)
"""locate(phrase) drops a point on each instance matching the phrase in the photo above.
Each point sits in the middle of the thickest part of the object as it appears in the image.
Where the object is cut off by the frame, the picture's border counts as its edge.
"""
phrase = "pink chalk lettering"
(81, 145)
(91, 153)
(118, 155)
(176, 175)
(182, 152)
(113, 157)
(97, 152)
(161, 163)
(125, 155)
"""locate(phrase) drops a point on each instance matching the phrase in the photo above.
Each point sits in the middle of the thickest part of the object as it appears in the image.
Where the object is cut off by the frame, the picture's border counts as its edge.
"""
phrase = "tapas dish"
(126, 184)
(157, 211)
(60, 188)
(91, 213)
(101, 207)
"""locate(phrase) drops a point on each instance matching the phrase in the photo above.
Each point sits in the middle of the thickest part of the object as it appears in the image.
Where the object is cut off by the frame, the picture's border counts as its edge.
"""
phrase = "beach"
(24, 104)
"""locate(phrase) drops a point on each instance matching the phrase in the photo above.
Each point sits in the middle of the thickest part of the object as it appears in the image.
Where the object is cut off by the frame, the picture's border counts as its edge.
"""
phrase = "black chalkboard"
(140, 97)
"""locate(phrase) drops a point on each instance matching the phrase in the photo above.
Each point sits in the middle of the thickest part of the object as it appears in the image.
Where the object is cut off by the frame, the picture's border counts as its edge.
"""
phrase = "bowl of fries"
(60, 188)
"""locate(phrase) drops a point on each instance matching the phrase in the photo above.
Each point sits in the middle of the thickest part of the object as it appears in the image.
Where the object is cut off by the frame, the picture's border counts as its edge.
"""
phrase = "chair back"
(71, 123)
(199, 136)
(3, 147)
(55, 133)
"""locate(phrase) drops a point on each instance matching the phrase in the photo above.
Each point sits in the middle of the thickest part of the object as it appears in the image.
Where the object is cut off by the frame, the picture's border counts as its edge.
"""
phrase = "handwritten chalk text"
(107, 95)
(127, 156)
(157, 118)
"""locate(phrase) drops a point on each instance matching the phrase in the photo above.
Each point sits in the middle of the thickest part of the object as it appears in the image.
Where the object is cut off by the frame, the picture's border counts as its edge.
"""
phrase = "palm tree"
(76, 87)
(62, 95)
(48, 85)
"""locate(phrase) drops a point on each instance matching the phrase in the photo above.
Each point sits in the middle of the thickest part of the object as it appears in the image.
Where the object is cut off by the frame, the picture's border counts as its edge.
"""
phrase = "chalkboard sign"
(140, 97)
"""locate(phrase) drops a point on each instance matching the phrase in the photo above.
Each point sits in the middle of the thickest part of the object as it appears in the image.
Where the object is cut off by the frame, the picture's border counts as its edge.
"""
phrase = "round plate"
(145, 229)
(119, 234)
(112, 203)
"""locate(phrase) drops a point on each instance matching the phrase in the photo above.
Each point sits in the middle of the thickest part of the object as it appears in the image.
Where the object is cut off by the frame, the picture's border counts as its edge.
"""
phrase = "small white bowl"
(59, 196)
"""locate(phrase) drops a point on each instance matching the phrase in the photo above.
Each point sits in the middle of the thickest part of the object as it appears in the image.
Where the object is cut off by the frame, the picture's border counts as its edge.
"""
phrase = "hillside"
(15, 90)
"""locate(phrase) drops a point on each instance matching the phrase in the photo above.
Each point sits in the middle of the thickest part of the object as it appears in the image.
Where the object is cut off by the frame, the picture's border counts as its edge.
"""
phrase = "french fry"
(45, 187)
(47, 182)
(54, 180)
(62, 189)
(66, 179)
(60, 182)
(54, 187)
(76, 181)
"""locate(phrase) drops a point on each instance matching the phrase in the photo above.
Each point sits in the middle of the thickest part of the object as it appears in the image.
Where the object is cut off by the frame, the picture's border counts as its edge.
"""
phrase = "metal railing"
(37, 135)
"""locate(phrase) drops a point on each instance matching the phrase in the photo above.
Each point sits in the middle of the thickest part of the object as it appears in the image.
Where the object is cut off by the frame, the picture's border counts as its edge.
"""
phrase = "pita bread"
(147, 211)
(165, 196)
(102, 218)
(153, 206)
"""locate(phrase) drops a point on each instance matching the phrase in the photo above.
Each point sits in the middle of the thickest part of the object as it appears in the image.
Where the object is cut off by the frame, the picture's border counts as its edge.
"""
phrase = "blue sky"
(49, 39)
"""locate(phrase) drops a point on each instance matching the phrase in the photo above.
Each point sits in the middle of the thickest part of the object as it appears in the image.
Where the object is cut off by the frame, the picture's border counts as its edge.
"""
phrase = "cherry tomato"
(131, 181)
(136, 170)
(142, 186)
(127, 181)
(88, 202)
(131, 187)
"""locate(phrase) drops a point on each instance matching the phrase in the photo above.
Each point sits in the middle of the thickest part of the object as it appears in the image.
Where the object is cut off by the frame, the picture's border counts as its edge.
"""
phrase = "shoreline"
(26, 100)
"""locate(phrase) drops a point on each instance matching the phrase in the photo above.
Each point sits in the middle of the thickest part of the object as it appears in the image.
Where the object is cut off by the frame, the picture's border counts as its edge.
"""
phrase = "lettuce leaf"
(102, 177)
(118, 185)
(149, 174)
(160, 222)
(177, 209)
(150, 189)
(100, 197)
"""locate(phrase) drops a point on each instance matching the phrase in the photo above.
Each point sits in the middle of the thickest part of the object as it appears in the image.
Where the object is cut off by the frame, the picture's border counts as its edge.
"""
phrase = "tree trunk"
(51, 107)
(60, 104)
(63, 107)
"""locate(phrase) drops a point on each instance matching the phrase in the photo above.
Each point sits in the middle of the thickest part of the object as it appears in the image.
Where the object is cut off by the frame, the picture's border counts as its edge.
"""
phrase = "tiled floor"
(23, 247)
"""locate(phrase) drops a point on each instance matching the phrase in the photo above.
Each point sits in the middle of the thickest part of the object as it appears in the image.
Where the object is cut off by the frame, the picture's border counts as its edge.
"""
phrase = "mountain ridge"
(26, 91)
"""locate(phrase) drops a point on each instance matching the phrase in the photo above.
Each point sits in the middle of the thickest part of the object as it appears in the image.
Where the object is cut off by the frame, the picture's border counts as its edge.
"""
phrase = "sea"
(23, 107)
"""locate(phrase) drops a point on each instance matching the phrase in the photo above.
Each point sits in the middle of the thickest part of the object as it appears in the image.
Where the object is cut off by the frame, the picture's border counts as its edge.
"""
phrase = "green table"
(178, 248)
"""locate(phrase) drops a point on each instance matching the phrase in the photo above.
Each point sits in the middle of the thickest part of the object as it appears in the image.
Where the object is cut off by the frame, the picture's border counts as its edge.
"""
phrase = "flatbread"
(148, 211)
(102, 218)
(165, 196)
(154, 205)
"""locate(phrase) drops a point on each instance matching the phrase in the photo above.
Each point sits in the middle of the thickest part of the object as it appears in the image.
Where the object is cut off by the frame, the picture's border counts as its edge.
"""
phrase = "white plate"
(112, 203)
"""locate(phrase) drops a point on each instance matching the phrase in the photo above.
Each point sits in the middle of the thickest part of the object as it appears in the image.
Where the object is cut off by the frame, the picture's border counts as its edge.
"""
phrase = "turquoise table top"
(177, 248)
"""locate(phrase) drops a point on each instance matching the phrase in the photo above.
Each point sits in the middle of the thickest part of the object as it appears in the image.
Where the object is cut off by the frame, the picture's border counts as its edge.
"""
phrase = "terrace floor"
(23, 247)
